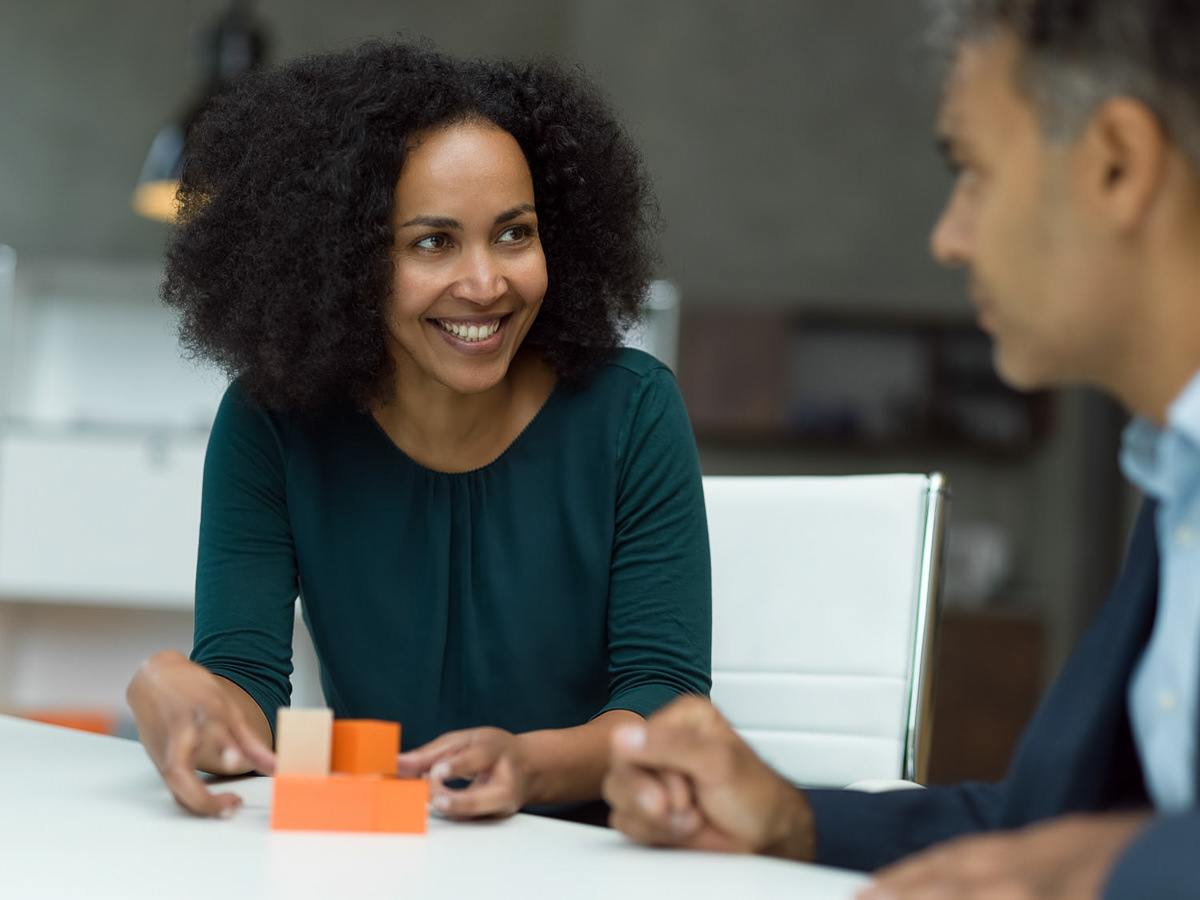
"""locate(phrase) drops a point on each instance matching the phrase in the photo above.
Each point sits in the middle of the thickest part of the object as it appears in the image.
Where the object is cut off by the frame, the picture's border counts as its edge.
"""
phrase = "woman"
(418, 270)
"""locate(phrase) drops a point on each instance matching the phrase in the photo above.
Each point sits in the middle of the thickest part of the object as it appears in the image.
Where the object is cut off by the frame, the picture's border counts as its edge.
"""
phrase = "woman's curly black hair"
(281, 263)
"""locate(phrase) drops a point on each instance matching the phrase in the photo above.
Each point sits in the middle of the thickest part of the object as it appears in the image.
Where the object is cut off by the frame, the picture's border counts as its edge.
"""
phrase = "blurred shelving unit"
(851, 383)
(102, 438)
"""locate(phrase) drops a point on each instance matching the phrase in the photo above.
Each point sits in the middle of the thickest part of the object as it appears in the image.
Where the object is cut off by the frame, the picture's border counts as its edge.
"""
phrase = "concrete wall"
(790, 142)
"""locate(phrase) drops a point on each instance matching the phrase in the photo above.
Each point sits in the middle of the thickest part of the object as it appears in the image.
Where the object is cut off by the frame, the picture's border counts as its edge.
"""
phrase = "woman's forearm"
(566, 765)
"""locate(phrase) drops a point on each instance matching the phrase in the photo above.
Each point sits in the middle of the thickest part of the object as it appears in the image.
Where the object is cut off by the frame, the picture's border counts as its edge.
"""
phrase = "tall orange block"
(365, 747)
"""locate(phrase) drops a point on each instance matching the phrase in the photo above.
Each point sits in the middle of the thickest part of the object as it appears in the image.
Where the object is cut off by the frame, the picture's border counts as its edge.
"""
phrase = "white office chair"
(824, 596)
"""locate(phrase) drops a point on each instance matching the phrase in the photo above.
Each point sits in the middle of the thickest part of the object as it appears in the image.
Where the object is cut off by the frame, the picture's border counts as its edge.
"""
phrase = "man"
(1074, 129)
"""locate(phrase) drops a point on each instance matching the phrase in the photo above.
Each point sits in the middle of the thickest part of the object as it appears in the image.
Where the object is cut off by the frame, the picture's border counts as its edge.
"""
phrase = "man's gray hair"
(1075, 54)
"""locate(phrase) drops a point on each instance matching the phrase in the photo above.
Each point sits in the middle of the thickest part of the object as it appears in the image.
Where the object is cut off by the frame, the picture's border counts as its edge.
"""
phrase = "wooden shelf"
(777, 378)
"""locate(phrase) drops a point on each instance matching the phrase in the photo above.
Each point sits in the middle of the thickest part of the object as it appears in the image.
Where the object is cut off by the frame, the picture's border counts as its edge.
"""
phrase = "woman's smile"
(472, 335)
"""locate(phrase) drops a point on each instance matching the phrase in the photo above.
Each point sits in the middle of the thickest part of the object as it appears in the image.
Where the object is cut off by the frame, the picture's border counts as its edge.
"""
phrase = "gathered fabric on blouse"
(567, 577)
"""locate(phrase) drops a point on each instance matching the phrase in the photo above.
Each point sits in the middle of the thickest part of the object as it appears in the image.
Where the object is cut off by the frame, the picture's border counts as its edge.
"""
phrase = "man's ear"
(1124, 161)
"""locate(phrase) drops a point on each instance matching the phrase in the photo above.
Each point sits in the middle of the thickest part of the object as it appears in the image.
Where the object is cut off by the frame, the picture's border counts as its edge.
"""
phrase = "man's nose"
(950, 240)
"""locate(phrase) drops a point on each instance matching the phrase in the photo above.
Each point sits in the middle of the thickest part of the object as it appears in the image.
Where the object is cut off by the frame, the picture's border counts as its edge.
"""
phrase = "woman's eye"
(516, 233)
(431, 242)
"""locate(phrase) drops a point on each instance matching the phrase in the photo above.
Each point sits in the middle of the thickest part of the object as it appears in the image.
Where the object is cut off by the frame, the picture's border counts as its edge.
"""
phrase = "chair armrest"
(876, 785)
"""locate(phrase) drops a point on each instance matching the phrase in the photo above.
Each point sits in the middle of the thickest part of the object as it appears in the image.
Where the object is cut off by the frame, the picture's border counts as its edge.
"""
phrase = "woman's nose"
(480, 278)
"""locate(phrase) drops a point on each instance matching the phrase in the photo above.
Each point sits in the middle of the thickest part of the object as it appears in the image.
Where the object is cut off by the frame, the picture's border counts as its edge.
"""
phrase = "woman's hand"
(493, 760)
(188, 719)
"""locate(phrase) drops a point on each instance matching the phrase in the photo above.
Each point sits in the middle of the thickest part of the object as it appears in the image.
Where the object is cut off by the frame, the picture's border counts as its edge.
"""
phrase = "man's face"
(1016, 221)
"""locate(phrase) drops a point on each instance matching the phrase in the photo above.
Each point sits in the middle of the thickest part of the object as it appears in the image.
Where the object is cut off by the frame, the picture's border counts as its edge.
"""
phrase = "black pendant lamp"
(230, 48)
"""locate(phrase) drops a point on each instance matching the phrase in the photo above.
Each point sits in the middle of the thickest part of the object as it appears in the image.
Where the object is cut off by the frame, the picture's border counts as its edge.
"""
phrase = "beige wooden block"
(303, 741)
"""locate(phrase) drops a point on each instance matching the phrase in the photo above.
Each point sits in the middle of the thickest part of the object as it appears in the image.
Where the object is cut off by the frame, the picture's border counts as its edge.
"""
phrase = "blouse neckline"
(377, 429)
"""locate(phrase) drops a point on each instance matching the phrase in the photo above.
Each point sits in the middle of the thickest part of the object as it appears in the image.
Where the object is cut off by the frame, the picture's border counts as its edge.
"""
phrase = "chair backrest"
(825, 591)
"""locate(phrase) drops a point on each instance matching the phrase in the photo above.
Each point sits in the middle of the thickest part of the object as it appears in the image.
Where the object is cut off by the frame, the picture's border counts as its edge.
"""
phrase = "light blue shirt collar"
(1146, 459)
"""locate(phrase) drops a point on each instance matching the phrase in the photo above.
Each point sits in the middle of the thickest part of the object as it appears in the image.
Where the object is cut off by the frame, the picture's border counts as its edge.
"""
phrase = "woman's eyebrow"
(509, 214)
(453, 224)
(434, 222)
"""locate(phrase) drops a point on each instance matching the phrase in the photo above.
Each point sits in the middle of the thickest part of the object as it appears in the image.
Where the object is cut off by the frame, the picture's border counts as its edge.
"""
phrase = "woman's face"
(469, 269)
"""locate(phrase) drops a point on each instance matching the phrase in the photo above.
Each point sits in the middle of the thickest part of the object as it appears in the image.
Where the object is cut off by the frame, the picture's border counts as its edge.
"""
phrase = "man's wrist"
(792, 834)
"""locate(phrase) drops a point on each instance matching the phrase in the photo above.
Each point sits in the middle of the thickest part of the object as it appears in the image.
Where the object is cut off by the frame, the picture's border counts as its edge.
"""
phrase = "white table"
(84, 816)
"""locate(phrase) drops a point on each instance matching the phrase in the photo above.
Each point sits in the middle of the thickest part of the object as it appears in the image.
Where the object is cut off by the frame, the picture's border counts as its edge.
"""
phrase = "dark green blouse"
(566, 578)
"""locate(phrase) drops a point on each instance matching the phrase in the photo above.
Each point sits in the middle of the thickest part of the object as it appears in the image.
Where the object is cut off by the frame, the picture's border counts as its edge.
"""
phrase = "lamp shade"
(158, 183)
(232, 46)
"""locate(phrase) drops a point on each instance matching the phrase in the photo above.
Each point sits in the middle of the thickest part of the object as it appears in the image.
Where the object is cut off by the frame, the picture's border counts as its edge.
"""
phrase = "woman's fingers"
(418, 762)
(186, 720)
(486, 759)
(181, 779)
(495, 796)
(493, 789)
(467, 761)
(247, 745)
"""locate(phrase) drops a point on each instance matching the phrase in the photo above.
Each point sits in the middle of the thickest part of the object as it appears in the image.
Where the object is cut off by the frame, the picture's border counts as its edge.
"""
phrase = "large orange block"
(365, 746)
(349, 803)
(322, 803)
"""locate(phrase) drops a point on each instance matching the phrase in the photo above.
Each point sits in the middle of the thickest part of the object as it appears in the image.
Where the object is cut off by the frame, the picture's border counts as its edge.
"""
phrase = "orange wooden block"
(95, 721)
(349, 803)
(365, 747)
(323, 803)
(402, 805)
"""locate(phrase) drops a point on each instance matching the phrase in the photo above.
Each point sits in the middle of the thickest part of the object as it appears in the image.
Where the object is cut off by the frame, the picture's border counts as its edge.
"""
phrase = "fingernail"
(227, 811)
(681, 823)
(230, 757)
(631, 737)
(440, 771)
(441, 803)
(648, 800)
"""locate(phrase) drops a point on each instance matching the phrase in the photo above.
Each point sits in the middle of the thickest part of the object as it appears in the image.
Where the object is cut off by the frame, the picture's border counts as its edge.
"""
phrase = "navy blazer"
(1076, 755)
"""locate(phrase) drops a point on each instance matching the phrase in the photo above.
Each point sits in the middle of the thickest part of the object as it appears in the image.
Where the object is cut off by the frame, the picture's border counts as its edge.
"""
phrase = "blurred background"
(791, 145)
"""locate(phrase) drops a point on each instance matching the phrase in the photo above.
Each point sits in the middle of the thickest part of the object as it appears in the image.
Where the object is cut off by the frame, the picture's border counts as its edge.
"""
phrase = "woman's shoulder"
(240, 407)
(637, 362)
(242, 416)
(629, 371)
(626, 379)
(624, 388)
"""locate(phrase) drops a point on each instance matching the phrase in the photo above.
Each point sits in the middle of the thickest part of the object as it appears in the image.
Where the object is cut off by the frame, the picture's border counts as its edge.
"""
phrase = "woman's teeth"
(470, 332)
